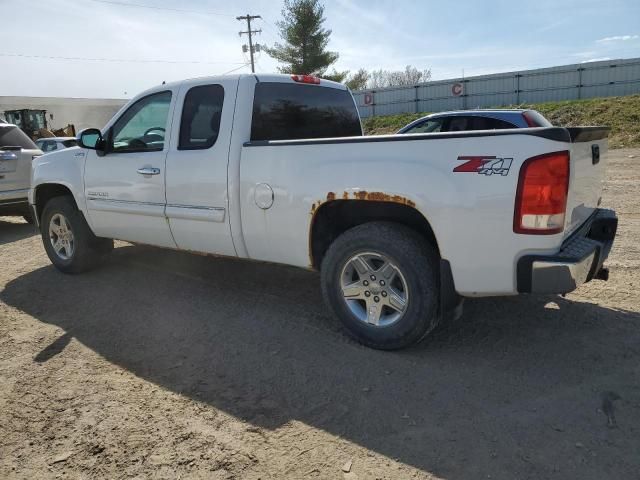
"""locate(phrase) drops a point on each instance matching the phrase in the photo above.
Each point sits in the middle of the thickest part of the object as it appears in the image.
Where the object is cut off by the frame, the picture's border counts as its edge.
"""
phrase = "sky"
(117, 48)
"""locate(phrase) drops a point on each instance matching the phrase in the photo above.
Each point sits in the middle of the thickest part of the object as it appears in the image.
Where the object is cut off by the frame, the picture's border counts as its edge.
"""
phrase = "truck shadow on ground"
(14, 231)
(507, 391)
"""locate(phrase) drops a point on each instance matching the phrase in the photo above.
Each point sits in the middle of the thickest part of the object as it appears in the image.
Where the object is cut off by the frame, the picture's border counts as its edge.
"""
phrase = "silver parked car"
(17, 151)
(465, 120)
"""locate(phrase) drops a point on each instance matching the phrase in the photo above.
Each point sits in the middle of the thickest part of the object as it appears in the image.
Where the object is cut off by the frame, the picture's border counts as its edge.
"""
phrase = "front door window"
(142, 127)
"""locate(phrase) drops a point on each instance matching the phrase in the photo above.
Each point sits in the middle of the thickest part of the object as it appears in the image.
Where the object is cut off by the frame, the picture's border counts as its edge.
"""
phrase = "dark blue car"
(465, 120)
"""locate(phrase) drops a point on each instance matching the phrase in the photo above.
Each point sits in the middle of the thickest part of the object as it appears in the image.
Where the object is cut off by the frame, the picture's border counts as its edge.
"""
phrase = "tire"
(82, 250)
(411, 270)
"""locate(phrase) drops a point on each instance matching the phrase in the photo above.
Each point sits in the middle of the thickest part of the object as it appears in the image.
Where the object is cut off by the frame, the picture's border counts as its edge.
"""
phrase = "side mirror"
(91, 138)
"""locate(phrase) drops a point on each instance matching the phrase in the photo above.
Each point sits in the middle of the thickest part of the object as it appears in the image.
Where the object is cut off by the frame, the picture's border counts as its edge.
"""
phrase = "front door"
(125, 189)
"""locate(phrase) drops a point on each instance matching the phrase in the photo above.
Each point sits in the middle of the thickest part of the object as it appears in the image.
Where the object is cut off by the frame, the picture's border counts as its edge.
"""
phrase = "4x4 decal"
(484, 165)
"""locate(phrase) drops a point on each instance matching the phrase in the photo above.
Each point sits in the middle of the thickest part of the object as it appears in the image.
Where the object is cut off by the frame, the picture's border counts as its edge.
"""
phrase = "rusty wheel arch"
(336, 214)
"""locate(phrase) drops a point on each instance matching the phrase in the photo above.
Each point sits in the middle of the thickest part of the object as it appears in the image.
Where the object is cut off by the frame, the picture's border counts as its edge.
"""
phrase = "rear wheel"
(381, 281)
(68, 240)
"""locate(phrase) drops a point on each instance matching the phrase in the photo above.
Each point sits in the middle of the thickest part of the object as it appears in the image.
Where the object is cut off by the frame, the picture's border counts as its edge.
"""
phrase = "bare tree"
(398, 78)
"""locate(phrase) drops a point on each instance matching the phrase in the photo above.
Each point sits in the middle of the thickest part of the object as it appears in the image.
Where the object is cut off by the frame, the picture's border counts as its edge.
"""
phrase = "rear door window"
(285, 111)
(464, 123)
(201, 114)
(458, 124)
(485, 123)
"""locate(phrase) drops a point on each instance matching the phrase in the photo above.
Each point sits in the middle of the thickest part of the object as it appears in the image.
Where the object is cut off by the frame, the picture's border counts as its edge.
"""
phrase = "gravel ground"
(169, 365)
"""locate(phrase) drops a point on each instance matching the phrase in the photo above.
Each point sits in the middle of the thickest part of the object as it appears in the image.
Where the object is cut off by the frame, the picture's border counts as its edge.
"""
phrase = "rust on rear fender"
(358, 195)
(383, 197)
(366, 196)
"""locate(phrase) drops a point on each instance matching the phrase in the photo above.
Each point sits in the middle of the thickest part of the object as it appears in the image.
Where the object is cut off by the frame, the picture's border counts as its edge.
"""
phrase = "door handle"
(149, 171)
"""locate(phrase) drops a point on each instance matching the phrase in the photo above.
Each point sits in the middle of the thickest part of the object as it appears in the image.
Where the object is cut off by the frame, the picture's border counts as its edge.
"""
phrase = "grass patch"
(622, 114)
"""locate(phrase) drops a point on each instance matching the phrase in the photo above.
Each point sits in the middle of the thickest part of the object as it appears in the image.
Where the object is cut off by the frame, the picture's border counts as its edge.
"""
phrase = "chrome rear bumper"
(579, 260)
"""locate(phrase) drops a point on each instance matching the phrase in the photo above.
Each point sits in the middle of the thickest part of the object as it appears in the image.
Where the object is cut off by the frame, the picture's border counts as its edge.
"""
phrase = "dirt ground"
(169, 365)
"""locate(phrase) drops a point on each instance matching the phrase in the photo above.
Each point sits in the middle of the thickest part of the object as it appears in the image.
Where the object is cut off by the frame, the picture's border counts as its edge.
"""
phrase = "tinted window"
(11, 136)
(69, 143)
(458, 124)
(483, 123)
(201, 115)
(142, 127)
(284, 111)
(467, 123)
(427, 126)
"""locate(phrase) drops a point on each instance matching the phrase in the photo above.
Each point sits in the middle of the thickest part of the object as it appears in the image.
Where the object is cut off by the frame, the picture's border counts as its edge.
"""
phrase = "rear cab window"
(286, 111)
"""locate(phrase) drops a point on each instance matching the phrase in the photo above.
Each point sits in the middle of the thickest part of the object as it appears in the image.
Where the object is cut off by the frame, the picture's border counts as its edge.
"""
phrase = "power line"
(124, 60)
(269, 31)
(249, 32)
(181, 10)
(235, 69)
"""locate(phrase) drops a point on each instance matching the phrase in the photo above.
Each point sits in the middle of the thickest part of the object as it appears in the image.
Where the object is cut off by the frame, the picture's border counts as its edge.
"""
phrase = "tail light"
(306, 79)
(531, 122)
(541, 198)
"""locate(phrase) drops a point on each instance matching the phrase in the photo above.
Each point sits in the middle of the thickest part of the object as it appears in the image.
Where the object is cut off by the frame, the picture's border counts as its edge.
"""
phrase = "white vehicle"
(275, 168)
(51, 144)
(17, 151)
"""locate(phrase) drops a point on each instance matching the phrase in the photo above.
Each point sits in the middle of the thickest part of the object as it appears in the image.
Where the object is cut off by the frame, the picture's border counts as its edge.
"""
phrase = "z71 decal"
(484, 165)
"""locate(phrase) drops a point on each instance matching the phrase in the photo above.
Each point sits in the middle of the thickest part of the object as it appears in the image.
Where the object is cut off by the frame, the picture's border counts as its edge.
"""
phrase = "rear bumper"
(579, 260)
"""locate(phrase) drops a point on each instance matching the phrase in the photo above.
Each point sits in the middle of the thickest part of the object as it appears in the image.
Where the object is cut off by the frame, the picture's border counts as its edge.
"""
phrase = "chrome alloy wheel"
(374, 289)
(61, 236)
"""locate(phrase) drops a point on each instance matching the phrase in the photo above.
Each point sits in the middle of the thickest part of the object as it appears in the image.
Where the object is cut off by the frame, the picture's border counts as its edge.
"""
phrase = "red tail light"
(530, 120)
(306, 79)
(541, 199)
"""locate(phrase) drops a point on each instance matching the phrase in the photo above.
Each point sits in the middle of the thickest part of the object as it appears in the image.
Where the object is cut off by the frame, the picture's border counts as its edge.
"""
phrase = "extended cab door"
(125, 188)
(197, 195)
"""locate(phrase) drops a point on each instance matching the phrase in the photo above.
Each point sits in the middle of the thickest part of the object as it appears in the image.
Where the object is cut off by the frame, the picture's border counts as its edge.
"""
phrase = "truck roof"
(261, 77)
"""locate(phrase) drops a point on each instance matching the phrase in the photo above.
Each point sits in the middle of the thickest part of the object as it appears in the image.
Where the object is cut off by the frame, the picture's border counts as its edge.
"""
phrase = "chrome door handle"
(149, 171)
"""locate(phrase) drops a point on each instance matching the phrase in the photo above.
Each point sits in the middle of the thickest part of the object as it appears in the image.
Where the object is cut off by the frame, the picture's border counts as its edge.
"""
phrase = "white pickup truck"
(275, 168)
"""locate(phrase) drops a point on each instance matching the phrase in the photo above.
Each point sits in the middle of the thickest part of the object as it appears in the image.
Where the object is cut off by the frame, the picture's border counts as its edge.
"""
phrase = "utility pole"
(249, 32)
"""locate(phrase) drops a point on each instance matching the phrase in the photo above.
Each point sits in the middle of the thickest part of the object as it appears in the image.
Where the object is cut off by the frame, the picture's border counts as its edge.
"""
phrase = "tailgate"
(588, 164)
(16, 152)
(15, 169)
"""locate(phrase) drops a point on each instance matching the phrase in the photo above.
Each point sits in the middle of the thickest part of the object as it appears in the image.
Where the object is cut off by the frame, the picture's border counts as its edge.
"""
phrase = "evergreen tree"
(305, 40)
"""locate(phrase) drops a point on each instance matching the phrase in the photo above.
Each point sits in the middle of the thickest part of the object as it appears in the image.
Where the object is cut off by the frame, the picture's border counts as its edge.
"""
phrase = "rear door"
(197, 198)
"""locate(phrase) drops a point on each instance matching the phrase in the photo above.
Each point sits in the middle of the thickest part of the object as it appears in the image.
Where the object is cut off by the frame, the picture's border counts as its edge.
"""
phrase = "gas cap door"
(263, 196)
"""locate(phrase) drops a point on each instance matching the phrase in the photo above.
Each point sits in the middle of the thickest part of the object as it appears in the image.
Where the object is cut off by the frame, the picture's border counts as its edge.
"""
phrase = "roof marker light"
(306, 79)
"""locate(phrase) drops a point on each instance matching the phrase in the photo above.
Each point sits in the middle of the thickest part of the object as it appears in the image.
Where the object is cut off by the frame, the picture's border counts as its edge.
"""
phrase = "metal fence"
(567, 82)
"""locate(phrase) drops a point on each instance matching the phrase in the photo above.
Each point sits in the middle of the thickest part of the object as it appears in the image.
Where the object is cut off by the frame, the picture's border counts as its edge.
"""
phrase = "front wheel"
(381, 280)
(68, 240)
